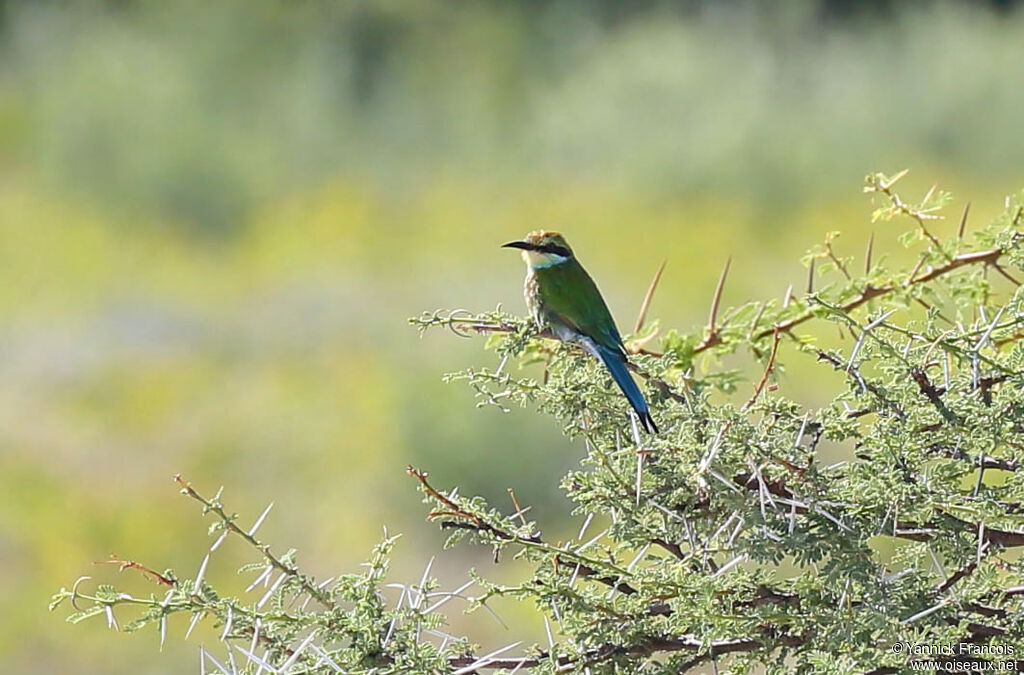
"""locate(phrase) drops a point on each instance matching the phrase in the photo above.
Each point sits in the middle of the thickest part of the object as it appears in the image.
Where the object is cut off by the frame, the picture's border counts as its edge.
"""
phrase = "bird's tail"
(615, 362)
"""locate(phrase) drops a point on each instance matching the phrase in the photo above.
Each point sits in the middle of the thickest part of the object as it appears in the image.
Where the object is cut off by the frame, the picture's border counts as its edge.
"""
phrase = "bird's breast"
(534, 302)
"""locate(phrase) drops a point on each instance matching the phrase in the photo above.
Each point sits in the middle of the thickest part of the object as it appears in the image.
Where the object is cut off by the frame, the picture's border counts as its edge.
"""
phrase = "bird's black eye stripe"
(556, 249)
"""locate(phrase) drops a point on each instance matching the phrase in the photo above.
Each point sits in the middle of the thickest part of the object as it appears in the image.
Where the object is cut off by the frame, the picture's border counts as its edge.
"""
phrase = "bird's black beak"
(525, 245)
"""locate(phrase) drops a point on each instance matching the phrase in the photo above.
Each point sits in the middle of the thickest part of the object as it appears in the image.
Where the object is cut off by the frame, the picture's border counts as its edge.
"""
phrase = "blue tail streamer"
(615, 362)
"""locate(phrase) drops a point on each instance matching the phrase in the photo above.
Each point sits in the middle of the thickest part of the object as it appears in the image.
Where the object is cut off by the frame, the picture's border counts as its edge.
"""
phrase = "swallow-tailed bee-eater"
(561, 296)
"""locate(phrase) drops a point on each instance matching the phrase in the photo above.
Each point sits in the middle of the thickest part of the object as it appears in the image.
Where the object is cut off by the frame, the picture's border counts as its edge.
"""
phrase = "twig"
(228, 522)
(933, 394)
(998, 268)
(146, 571)
(871, 292)
(961, 573)
(835, 259)
(464, 520)
(767, 371)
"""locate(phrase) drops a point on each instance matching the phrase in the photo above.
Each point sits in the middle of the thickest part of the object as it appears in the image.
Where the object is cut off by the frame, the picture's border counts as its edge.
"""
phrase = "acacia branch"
(228, 522)
(871, 292)
(608, 652)
(464, 520)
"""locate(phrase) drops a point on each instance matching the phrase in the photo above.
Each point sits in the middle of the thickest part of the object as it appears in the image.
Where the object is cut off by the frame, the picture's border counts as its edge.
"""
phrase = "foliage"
(728, 538)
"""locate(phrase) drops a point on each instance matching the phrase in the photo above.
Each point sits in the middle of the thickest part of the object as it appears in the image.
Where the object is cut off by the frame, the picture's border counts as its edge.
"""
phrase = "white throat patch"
(539, 260)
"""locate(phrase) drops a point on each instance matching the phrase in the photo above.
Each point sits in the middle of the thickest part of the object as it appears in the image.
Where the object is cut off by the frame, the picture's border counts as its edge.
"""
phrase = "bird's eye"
(557, 250)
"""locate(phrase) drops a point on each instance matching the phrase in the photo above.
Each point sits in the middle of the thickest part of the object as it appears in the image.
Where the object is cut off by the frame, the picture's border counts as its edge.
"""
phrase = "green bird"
(561, 296)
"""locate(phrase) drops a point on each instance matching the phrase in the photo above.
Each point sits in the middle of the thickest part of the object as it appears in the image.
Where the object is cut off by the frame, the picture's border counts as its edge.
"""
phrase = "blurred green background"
(215, 219)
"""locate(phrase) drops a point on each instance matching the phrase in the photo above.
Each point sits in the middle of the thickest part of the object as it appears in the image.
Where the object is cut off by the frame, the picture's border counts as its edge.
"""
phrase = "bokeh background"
(215, 219)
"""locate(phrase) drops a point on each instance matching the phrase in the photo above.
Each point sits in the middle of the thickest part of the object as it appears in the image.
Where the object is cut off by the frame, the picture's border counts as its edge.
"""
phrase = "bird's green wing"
(568, 292)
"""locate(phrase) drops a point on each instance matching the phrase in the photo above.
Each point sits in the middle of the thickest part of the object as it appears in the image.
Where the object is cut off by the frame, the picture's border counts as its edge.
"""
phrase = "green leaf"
(82, 615)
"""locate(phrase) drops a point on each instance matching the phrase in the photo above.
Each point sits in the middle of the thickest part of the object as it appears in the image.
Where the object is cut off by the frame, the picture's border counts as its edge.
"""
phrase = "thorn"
(892, 181)
(1005, 274)
(640, 346)
(788, 297)
(515, 503)
(930, 192)
(713, 314)
(647, 298)
(757, 319)
(867, 254)
(963, 221)
(928, 307)
(810, 278)
(915, 270)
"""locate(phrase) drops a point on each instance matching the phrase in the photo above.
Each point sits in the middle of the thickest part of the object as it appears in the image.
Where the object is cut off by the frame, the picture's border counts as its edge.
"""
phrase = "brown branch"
(599, 654)
(927, 531)
(978, 630)
(961, 573)
(998, 268)
(933, 394)
(734, 646)
(986, 610)
(767, 372)
(986, 463)
(147, 572)
(690, 643)
(476, 522)
(465, 520)
(675, 549)
(577, 568)
(769, 596)
(871, 292)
